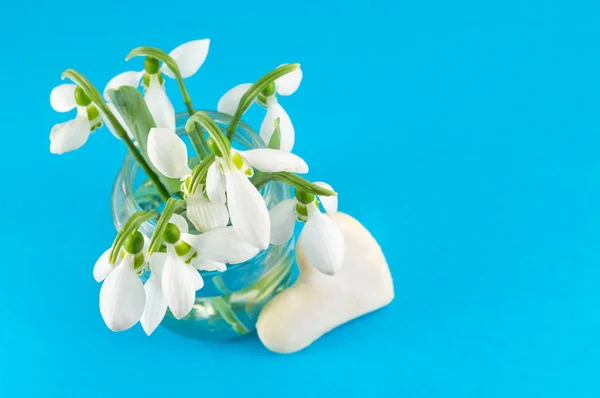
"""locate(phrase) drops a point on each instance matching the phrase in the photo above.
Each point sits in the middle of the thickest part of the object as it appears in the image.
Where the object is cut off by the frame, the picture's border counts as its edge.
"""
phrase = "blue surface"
(465, 135)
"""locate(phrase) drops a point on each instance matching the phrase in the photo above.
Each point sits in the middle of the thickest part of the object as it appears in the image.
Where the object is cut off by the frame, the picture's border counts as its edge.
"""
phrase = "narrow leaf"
(130, 103)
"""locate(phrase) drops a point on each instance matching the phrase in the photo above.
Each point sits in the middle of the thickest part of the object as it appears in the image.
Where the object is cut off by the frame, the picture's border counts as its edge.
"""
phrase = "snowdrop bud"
(171, 234)
(304, 197)
(214, 147)
(134, 243)
(81, 98)
(151, 65)
(269, 90)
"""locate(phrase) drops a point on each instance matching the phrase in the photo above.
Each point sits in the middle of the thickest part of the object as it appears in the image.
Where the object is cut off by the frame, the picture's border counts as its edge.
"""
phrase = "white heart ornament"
(318, 303)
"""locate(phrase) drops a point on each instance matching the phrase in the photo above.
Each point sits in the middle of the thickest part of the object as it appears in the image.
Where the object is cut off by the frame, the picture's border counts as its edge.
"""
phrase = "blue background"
(465, 135)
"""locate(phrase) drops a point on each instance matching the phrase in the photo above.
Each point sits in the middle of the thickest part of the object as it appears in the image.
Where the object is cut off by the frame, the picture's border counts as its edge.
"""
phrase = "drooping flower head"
(122, 296)
(321, 238)
(71, 135)
(284, 86)
(189, 58)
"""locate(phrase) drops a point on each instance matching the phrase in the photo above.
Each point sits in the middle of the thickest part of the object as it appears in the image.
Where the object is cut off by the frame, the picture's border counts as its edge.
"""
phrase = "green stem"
(164, 193)
(228, 315)
(261, 179)
(292, 180)
(197, 138)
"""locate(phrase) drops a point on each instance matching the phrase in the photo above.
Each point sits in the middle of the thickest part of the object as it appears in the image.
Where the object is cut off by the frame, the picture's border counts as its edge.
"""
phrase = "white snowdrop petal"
(157, 262)
(102, 267)
(330, 203)
(283, 220)
(189, 57)
(195, 279)
(70, 135)
(159, 105)
(156, 304)
(286, 129)
(178, 292)
(274, 160)
(215, 186)
(168, 153)
(129, 78)
(122, 297)
(247, 209)
(230, 100)
(322, 242)
(223, 245)
(202, 263)
(206, 215)
(180, 222)
(288, 84)
(62, 98)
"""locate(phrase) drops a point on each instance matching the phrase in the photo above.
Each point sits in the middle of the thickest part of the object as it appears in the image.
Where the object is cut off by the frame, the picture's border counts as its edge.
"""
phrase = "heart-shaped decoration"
(318, 303)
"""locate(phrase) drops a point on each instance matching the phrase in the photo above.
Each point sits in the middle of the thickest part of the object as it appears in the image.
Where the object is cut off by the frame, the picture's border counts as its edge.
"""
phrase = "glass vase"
(229, 303)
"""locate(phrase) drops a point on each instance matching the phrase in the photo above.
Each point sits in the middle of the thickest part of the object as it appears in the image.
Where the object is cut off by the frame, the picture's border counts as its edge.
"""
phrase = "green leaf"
(132, 107)
(275, 141)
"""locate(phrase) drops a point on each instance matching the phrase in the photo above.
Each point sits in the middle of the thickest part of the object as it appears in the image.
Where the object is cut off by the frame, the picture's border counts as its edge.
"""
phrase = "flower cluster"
(217, 215)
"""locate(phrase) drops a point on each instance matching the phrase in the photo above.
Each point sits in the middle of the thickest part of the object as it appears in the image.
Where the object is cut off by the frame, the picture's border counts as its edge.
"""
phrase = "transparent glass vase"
(229, 303)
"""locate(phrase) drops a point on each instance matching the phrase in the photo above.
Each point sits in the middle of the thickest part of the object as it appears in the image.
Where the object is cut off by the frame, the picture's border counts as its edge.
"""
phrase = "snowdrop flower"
(321, 238)
(122, 296)
(168, 154)
(71, 135)
(285, 85)
(189, 58)
(175, 277)
(228, 179)
(179, 280)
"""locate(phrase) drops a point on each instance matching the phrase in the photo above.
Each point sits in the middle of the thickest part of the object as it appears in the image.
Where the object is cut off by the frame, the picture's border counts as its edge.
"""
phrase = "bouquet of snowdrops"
(213, 214)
